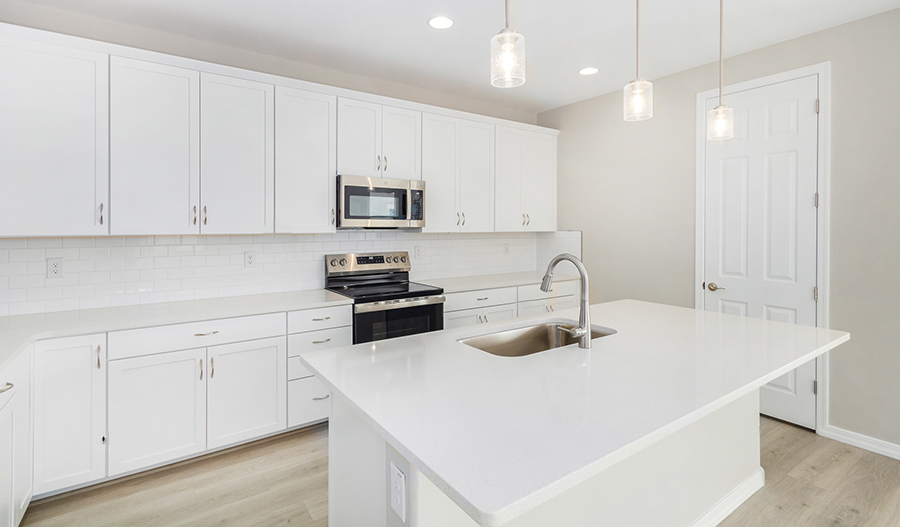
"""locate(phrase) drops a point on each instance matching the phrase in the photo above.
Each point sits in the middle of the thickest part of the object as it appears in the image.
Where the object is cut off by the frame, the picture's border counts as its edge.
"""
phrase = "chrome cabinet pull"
(479, 319)
(379, 164)
(482, 299)
(321, 341)
(486, 321)
(321, 319)
(713, 287)
(529, 219)
(212, 367)
(457, 219)
(321, 398)
(464, 219)
(332, 216)
(98, 357)
(9, 386)
(101, 214)
(205, 215)
(385, 163)
(523, 220)
(201, 369)
(206, 334)
(551, 309)
(195, 215)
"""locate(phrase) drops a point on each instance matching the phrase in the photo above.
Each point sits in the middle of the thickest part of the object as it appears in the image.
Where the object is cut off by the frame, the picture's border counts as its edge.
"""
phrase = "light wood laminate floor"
(810, 481)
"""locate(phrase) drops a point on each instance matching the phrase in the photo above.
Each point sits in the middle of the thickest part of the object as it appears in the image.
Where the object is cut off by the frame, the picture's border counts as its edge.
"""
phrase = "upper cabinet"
(54, 140)
(154, 148)
(237, 156)
(458, 168)
(306, 146)
(525, 181)
(378, 141)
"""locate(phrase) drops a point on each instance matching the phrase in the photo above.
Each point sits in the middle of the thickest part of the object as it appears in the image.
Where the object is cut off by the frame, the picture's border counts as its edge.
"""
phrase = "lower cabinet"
(69, 412)
(308, 400)
(7, 460)
(483, 315)
(15, 441)
(157, 409)
(550, 305)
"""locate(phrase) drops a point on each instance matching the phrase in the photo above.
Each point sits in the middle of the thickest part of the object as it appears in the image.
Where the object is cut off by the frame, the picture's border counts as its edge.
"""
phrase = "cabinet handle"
(8, 387)
(551, 309)
(332, 216)
(101, 214)
(205, 215)
(486, 321)
(321, 319)
(464, 219)
(195, 215)
(482, 299)
(458, 219)
(385, 163)
(212, 367)
(529, 219)
(321, 341)
(547, 308)
(98, 357)
(480, 321)
(206, 334)
(379, 164)
(523, 220)
(321, 398)
(201, 369)
(103, 440)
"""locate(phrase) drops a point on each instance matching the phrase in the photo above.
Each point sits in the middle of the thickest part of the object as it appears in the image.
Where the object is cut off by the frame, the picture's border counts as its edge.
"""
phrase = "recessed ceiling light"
(440, 22)
(588, 71)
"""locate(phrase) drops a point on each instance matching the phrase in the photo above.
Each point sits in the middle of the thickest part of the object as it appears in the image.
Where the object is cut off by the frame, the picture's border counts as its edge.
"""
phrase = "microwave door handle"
(406, 205)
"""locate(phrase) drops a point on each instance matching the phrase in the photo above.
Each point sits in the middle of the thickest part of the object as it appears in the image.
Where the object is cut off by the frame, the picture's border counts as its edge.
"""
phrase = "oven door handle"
(412, 302)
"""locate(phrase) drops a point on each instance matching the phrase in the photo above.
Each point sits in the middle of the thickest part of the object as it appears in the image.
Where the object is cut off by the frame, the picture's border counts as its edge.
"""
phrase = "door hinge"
(817, 200)
(815, 387)
(816, 293)
(817, 105)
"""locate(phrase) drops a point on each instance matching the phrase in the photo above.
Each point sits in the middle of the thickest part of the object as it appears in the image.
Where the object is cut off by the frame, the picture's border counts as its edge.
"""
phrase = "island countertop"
(501, 435)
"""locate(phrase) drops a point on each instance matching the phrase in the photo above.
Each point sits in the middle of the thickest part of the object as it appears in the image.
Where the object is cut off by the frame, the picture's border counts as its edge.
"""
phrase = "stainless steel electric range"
(385, 303)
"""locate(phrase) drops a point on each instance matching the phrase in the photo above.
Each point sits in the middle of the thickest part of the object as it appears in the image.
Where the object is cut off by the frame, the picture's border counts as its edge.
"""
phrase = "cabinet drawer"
(319, 340)
(296, 369)
(324, 318)
(146, 341)
(308, 400)
(482, 298)
(533, 292)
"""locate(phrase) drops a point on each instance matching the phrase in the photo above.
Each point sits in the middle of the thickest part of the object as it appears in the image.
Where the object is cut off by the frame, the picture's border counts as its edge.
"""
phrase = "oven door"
(379, 321)
(372, 202)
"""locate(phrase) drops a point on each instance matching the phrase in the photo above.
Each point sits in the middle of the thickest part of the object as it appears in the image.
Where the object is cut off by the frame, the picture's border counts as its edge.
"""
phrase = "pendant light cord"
(506, 3)
(721, 48)
(637, 61)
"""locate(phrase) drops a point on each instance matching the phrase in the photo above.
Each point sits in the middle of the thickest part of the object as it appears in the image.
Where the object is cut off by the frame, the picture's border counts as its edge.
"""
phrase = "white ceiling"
(390, 39)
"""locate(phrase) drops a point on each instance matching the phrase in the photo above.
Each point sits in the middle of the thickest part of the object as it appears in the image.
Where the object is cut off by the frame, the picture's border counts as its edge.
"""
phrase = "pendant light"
(507, 57)
(638, 104)
(720, 120)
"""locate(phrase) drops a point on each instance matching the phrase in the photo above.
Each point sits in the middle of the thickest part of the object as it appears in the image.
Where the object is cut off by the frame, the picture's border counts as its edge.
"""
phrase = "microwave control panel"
(417, 209)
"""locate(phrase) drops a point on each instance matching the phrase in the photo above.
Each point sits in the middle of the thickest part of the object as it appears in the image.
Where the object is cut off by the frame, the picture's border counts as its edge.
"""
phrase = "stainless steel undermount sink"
(523, 341)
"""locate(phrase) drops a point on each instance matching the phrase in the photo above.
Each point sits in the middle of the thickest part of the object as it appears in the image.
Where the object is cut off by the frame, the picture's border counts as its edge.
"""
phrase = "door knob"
(713, 287)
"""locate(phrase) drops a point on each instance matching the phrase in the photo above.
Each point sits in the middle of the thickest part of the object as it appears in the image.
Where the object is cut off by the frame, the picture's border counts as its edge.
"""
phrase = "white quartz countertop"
(491, 281)
(17, 332)
(501, 435)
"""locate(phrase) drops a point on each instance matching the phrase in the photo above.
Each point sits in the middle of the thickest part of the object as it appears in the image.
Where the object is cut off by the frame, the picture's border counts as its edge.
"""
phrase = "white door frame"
(823, 70)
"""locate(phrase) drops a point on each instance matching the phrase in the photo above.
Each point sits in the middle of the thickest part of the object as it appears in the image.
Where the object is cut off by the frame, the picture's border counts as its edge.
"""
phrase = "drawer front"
(147, 341)
(319, 340)
(315, 319)
(533, 292)
(308, 400)
(534, 307)
(482, 298)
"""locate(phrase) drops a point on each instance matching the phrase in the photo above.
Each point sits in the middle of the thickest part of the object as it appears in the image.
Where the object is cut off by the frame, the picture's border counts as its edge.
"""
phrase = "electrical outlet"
(54, 267)
(398, 492)
(419, 252)
(506, 249)
(250, 259)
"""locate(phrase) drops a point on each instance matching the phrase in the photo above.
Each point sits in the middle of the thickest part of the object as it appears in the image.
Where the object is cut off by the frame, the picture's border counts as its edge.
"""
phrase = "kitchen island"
(656, 425)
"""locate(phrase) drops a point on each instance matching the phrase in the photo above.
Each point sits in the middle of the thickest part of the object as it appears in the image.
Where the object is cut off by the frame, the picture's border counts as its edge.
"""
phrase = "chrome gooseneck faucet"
(583, 331)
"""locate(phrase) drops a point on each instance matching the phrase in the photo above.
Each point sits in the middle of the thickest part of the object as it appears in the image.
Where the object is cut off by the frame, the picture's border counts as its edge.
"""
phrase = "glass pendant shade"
(508, 59)
(638, 100)
(720, 123)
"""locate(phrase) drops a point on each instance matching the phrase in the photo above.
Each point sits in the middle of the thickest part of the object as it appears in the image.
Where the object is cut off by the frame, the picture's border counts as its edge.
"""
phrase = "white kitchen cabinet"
(157, 409)
(484, 315)
(69, 412)
(7, 460)
(23, 451)
(154, 148)
(550, 305)
(525, 181)
(309, 401)
(378, 141)
(458, 168)
(54, 140)
(247, 390)
(237, 156)
(305, 164)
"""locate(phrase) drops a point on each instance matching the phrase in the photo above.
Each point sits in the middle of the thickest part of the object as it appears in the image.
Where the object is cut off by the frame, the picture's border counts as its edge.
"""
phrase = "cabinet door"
(498, 313)
(539, 181)
(23, 457)
(466, 317)
(563, 302)
(54, 140)
(247, 390)
(359, 138)
(157, 409)
(534, 307)
(508, 214)
(476, 176)
(7, 459)
(440, 171)
(308, 401)
(154, 148)
(401, 143)
(69, 412)
(305, 146)
(237, 153)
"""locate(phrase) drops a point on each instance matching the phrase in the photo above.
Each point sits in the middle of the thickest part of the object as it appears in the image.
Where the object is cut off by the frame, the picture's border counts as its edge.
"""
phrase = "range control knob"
(333, 263)
(396, 259)
(343, 262)
(403, 259)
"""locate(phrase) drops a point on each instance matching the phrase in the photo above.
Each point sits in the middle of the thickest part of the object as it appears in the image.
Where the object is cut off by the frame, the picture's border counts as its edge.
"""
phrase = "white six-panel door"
(54, 140)
(154, 148)
(760, 231)
(237, 153)
(305, 140)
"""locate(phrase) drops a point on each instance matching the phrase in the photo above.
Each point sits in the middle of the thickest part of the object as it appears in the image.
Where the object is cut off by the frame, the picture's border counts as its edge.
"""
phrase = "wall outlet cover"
(55, 268)
(398, 492)
(250, 259)
(419, 252)
(506, 249)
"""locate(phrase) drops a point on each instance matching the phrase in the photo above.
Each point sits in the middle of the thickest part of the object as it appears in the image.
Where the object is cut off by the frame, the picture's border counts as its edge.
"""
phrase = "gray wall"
(630, 188)
(38, 16)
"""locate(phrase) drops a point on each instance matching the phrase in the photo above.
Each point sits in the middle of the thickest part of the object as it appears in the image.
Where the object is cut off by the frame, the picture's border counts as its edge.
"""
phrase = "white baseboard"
(733, 500)
(859, 440)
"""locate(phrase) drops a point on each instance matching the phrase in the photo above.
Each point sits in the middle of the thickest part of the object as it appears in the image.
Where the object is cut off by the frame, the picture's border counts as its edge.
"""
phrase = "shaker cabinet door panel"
(401, 143)
(476, 176)
(539, 181)
(237, 152)
(359, 138)
(440, 171)
(466, 317)
(154, 148)
(509, 215)
(54, 140)
(157, 409)
(306, 143)
(7, 459)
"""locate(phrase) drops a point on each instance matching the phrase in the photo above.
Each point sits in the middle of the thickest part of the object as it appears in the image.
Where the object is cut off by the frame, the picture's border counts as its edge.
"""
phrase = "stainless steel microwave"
(375, 203)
